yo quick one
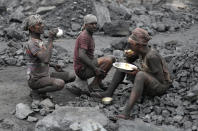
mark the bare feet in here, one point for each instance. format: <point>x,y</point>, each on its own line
<point>123,117</point>
<point>35,95</point>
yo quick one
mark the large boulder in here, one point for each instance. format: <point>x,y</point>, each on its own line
<point>102,13</point>
<point>12,124</point>
<point>73,118</point>
<point>51,2</point>
<point>192,95</point>
<point>139,10</point>
<point>119,45</point>
<point>118,12</point>
<point>22,111</point>
<point>17,15</point>
<point>12,33</point>
<point>117,28</point>
<point>138,125</point>
<point>43,10</point>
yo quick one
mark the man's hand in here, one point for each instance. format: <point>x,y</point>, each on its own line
<point>58,68</point>
<point>100,72</point>
<point>133,72</point>
<point>53,32</point>
<point>128,53</point>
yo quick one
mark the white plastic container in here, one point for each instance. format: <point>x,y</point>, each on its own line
<point>59,33</point>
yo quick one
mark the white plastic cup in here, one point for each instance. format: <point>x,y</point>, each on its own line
<point>59,33</point>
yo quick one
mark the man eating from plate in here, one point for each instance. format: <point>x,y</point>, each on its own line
<point>152,79</point>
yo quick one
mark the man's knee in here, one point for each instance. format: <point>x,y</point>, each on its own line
<point>110,60</point>
<point>59,84</point>
<point>113,59</point>
<point>141,75</point>
<point>72,77</point>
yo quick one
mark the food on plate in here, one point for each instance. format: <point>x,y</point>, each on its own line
<point>127,67</point>
<point>129,52</point>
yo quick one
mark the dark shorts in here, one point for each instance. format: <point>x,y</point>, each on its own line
<point>86,72</point>
<point>154,88</point>
<point>35,83</point>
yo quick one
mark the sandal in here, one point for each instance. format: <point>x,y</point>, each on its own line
<point>76,91</point>
<point>94,88</point>
<point>96,94</point>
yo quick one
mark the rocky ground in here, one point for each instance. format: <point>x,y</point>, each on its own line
<point>174,34</point>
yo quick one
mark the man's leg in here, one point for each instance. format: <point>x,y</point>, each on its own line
<point>118,77</point>
<point>42,86</point>
<point>66,76</point>
<point>140,79</point>
<point>104,63</point>
<point>48,84</point>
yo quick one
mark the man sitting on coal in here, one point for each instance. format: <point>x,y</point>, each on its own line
<point>38,55</point>
<point>85,64</point>
<point>152,79</point>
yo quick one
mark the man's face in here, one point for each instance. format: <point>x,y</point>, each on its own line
<point>38,28</point>
<point>136,47</point>
<point>91,27</point>
<point>132,44</point>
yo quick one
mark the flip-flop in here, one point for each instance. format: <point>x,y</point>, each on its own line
<point>96,94</point>
<point>96,89</point>
<point>75,90</point>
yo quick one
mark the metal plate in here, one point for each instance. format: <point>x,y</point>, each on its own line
<point>124,67</point>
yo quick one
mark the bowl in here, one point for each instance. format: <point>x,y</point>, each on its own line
<point>107,100</point>
<point>124,67</point>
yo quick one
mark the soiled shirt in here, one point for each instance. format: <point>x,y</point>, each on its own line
<point>84,41</point>
<point>156,66</point>
<point>35,66</point>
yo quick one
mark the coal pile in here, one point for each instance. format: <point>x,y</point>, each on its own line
<point>59,13</point>
<point>178,107</point>
<point>69,16</point>
<point>66,15</point>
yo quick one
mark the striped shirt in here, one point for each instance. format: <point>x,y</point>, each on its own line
<point>84,41</point>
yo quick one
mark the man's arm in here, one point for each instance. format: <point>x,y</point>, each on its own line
<point>154,64</point>
<point>85,59</point>
<point>90,63</point>
<point>45,54</point>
